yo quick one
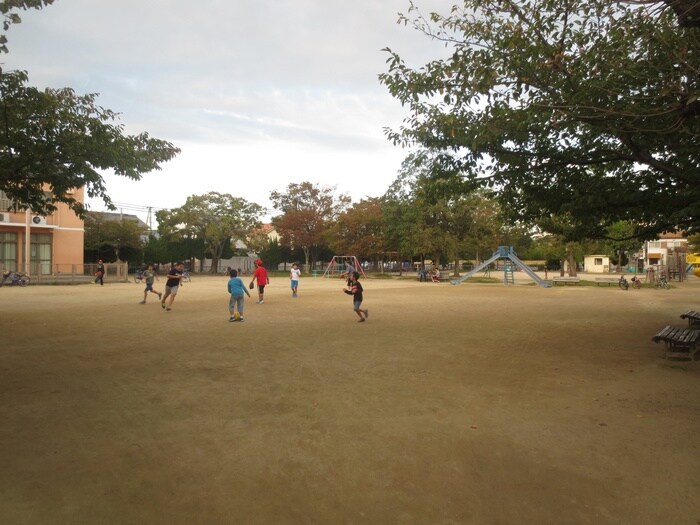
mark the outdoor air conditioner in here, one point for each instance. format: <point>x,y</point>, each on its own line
<point>4,217</point>
<point>39,220</point>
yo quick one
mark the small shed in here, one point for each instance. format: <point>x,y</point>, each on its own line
<point>596,264</point>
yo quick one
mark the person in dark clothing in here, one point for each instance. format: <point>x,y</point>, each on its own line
<point>356,292</point>
<point>172,285</point>
<point>100,273</point>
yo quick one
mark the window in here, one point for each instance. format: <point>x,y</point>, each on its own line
<point>40,253</point>
<point>598,261</point>
<point>8,251</point>
<point>5,203</point>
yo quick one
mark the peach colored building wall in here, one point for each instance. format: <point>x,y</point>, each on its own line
<point>63,230</point>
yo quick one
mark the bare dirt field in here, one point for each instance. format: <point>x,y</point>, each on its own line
<point>477,403</point>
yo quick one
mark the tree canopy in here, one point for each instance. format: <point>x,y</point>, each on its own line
<point>587,110</point>
<point>57,140</point>
<point>307,211</point>
<point>218,219</point>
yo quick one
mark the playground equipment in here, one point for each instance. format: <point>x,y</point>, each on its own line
<point>340,264</point>
<point>510,262</point>
<point>693,260</point>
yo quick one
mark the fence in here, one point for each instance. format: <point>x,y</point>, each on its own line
<point>81,273</point>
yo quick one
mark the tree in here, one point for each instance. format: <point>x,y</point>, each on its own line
<point>307,211</point>
<point>443,216</point>
<point>58,140</point>
<point>113,240</point>
<point>584,109</point>
<point>622,243</point>
<point>216,218</point>
<point>359,230</point>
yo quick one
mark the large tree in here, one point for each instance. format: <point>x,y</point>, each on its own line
<point>113,240</point>
<point>57,140</point>
<point>359,230</point>
<point>306,212</point>
<point>218,219</point>
<point>587,110</point>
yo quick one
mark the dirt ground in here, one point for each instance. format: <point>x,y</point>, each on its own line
<point>478,403</point>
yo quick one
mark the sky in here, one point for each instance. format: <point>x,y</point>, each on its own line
<point>257,94</point>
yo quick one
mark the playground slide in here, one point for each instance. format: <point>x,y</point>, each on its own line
<point>506,252</point>
<point>477,269</point>
<point>524,267</point>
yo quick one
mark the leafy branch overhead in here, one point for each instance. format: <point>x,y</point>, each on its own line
<point>57,140</point>
<point>582,109</point>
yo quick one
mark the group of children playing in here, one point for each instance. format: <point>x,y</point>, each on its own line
<point>238,291</point>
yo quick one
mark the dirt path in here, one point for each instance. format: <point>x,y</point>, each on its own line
<point>453,404</point>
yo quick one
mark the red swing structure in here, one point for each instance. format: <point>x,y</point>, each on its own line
<point>341,264</point>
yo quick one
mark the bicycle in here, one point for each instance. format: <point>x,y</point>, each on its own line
<point>622,283</point>
<point>140,276</point>
<point>661,282</point>
<point>14,279</point>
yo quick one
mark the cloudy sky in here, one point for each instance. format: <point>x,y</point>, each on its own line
<point>256,93</point>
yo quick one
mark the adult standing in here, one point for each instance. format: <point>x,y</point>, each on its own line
<point>172,285</point>
<point>260,274</point>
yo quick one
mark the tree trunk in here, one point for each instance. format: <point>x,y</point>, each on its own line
<point>571,260</point>
<point>307,258</point>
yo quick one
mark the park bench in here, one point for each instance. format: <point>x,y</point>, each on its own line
<point>692,316</point>
<point>607,280</point>
<point>680,343</point>
<point>565,280</point>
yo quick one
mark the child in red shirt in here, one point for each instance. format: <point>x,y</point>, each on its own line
<point>260,274</point>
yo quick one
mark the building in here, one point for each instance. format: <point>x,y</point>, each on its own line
<point>596,264</point>
<point>667,252</point>
<point>38,244</point>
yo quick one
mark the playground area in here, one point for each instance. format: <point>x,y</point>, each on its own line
<point>476,403</point>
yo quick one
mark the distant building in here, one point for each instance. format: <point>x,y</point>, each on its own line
<point>667,251</point>
<point>55,240</point>
<point>596,264</point>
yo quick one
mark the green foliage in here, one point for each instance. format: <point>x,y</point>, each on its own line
<point>112,240</point>
<point>57,139</point>
<point>429,210</point>
<point>214,219</point>
<point>581,109</point>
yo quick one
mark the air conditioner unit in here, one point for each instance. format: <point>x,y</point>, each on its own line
<point>39,220</point>
<point>4,217</point>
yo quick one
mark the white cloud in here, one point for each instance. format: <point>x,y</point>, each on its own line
<point>256,93</point>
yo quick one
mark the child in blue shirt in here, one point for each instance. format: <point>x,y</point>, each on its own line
<point>236,288</point>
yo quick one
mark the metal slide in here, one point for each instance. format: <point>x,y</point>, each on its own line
<point>505,252</point>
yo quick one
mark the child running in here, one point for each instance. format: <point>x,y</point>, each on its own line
<point>150,276</point>
<point>172,285</point>
<point>294,275</point>
<point>356,292</point>
<point>260,274</point>
<point>236,288</point>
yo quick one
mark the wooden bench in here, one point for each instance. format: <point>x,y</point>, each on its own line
<point>607,280</point>
<point>565,280</point>
<point>680,343</point>
<point>692,316</point>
